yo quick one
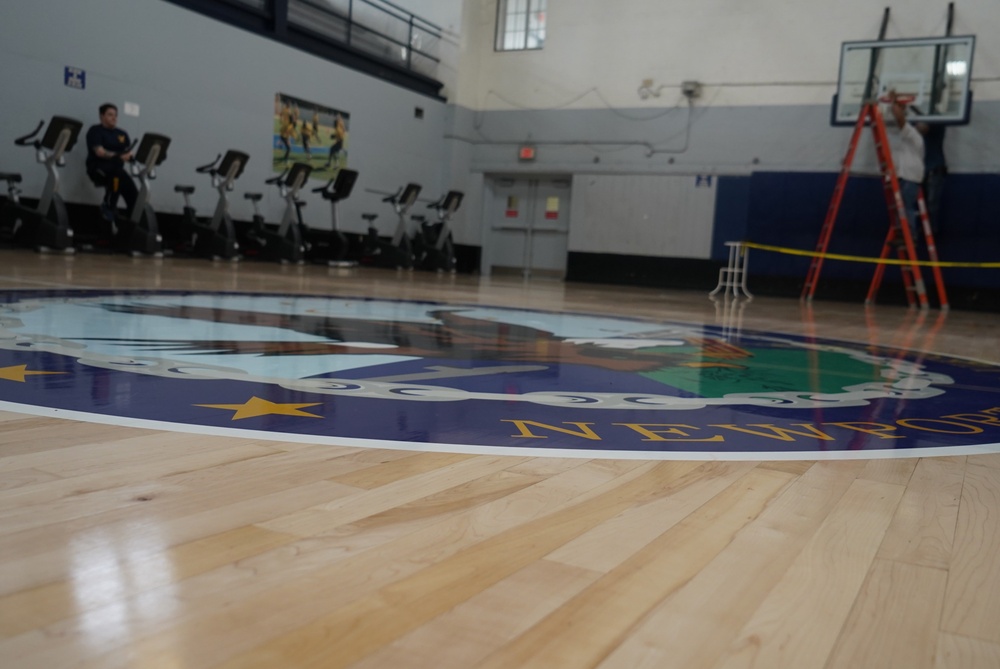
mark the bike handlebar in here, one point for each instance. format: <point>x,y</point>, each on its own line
<point>394,197</point>
<point>208,169</point>
<point>23,141</point>
<point>439,204</point>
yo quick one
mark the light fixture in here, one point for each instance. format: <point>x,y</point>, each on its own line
<point>956,68</point>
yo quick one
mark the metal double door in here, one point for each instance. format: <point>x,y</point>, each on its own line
<point>528,222</point>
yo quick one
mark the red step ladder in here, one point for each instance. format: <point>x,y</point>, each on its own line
<point>899,237</point>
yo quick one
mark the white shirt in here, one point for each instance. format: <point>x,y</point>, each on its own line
<point>908,153</point>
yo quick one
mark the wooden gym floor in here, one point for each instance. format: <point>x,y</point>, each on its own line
<point>128,547</point>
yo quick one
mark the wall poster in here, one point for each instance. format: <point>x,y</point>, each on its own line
<point>310,133</point>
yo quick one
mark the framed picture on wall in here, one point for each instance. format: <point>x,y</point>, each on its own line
<point>311,133</point>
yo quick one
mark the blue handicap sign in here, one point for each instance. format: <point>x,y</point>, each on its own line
<point>74,77</point>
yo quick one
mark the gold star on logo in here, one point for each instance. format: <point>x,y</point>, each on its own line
<point>18,372</point>
<point>255,406</point>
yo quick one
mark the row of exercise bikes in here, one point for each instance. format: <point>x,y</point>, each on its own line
<point>46,226</point>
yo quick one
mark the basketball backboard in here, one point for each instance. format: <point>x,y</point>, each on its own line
<point>934,71</point>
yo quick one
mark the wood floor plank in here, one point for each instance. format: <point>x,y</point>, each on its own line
<point>694,627</point>
<point>149,448</point>
<point>972,605</point>
<point>958,652</point>
<point>467,634</point>
<point>990,460</point>
<point>46,604</point>
<point>403,468</point>
<point>546,466</point>
<point>611,543</point>
<point>603,613</point>
<point>798,622</point>
<point>22,478</point>
<point>791,466</point>
<point>44,442</point>
<point>437,506</point>
<point>70,490</point>
<point>87,556</point>
<point>184,493</point>
<point>894,623</point>
<point>133,571</point>
<point>923,529</point>
<point>11,420</point>
<point>358,573</point>
<point>890,470</point>
<point>448,474</point>
<point>374,620</point>
<point>280,591</point>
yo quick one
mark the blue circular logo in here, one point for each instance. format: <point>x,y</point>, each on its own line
<point>423,376</point>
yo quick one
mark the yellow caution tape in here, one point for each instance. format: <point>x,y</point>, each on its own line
<point>877,261</point>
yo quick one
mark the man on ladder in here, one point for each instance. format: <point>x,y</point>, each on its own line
<point>908,156</point>
<point>901,164</point>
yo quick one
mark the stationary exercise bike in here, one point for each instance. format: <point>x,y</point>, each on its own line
<point>397,251</point>
<point>45,227</point>
<point>283,241</point>
<point>330,246</point>
<point>140,234</point>
<point>214,238</point>
<point>433,248</point>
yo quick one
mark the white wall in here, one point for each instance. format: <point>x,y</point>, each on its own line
<point>444,13</point>
<point>768,69</point>
<point>746,52</point>
<point>667,216</point>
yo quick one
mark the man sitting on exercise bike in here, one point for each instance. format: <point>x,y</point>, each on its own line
<point>107,152</point>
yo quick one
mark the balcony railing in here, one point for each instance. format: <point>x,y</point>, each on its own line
<point>363,34</point>
<point>377,27</point>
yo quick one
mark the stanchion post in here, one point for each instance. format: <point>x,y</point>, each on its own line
<point>733,277</point>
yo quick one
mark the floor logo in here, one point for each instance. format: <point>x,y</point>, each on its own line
<point>479,379</point>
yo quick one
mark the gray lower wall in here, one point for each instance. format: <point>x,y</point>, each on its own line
<point>600,147</point>
<point>720,140</point>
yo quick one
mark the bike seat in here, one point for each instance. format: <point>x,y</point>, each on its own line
<point>10,177</point>
<point>253,197</point>
<point>369,217</point>
<point>300,203</point>
<point>187,190</point>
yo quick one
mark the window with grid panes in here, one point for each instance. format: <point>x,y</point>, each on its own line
<point>520,25</point>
